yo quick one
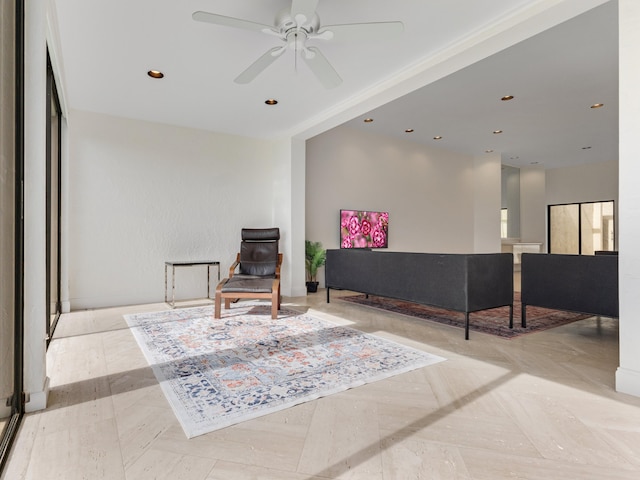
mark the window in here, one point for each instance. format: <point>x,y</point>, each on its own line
<point>504,224</point>
<point>582,228</point>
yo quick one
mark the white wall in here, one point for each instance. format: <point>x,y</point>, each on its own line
<point>584,183</point>
<point>487,181</point>
<point>429,193</point>
<point>628,373</point>
<point>288,209</point>
<point>510,199</point>
<point>533,206</point>
<point>35,123</point>
<point>142,193</point>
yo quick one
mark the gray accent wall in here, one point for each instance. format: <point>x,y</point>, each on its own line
<point>428,193</point>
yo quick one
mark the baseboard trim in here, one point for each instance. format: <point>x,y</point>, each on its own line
<point>66,307</point>
<point>628,381</point>
<point>38,400</point>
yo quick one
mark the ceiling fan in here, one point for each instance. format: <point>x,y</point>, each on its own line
<point>294,26</point>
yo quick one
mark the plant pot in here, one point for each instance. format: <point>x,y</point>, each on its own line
<point>312,287</point>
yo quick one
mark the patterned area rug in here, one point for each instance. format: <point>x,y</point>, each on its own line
<point>494,321</point>
<point>216,373</point>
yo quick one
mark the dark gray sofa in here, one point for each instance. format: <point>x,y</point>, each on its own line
<point>461,282</point>
<point>577,283</point>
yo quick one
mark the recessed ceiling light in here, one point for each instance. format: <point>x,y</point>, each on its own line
<point>597,105</point>
<point>534,163</point>
<point>488,151</point>
<point>368,120</point>
<point>514,158</point>
<point>506,98</point>
<point>409,130</point>
<point>155,74</point>
<point>495,132</point>
<point>586,148</point>
<point>271,101</point>
<point>438,137</point>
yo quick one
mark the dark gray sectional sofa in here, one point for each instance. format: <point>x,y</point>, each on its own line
<point>460,282</point>
<point>577,283</point>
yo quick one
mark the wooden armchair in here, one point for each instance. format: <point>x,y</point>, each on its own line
<point>258,264</point>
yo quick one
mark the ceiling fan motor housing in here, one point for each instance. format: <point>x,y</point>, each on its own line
<point>286,24</point>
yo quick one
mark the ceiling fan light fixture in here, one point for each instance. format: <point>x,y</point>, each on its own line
<point>155,74</point>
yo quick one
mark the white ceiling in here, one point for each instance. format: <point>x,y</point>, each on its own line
<point>105,48</point>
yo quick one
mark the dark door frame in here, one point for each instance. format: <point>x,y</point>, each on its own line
<point>52,97</point>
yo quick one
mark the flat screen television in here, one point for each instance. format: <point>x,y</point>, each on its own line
<point>363,229</point>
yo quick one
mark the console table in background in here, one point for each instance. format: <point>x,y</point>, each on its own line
<point>174,265</point>
<point>518,248</point>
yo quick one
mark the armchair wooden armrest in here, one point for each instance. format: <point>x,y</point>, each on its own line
<point>278,265</point>
<point>234,265</point>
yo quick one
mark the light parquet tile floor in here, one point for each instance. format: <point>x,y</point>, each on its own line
<point>542,406</point>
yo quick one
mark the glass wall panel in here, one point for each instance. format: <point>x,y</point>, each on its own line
<point>504,219</point>
<point>597,227</point>
<point>563,229</point>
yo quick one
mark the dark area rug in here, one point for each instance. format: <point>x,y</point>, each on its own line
<point>494,321</point>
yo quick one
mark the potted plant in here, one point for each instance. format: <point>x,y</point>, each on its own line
<point>315,257</point>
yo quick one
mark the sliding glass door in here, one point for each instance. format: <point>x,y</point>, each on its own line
<point>11,166</point>
<point>54,124</point>
<point>582,228</point>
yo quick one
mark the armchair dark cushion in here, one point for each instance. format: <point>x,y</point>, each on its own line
<point>259,251</point>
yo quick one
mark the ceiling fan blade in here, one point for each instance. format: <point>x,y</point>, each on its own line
<point>361,31</point>
<point>257,67</point>
<point>321,68</point>
<point>300,8</point>
<point>229,21</point>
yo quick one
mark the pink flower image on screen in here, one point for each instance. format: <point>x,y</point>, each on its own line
<point>363,229</point>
